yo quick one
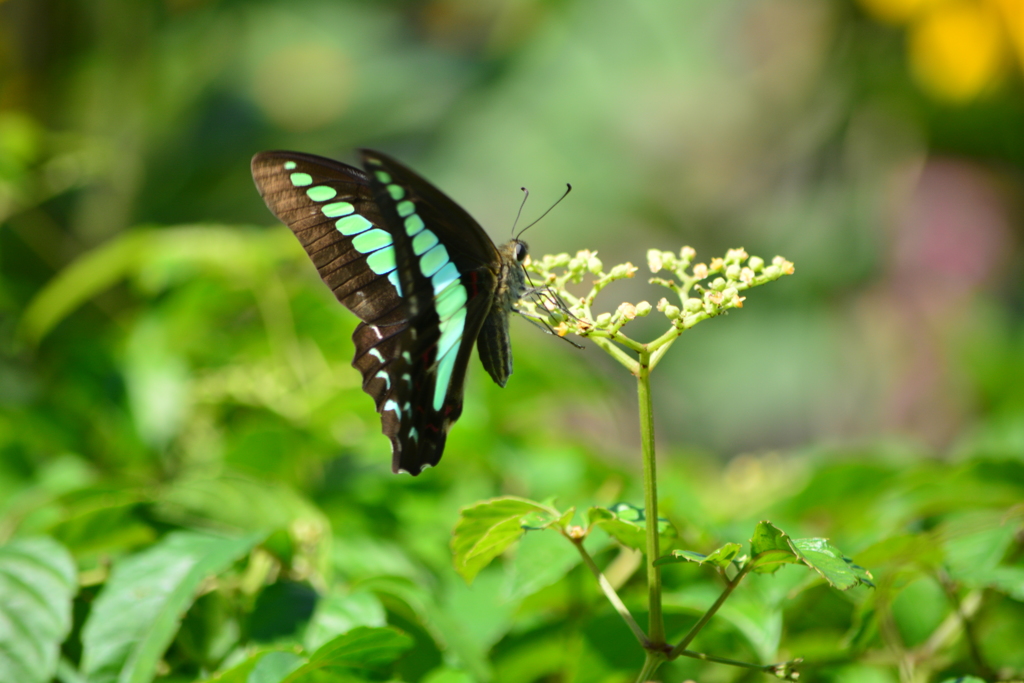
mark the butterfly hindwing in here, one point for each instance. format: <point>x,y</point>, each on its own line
<point>447,272</point>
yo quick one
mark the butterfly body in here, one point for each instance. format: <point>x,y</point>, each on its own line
<point>423,277</point>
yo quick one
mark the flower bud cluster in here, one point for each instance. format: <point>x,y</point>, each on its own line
<point>658,261</point>
<point>704,289</point>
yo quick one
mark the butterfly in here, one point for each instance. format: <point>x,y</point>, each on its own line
<point>422,276</point>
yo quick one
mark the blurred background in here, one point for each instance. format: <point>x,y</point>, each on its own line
<point>168,353</point>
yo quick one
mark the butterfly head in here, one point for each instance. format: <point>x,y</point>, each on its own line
<point>519,250</point>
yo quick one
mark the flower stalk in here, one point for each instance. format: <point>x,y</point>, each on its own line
<point>702,291</point>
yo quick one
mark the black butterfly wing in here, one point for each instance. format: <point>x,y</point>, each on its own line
<point>448,272</point>
<point>421,292</point>
<point>330,208</point>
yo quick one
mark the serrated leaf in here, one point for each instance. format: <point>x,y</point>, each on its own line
<point>487,529</point>
<point>767,537</point>
<point>627,524</point>
<point>721,557</point>
<point>38,580</point>
<point>770,548</point>
<point>139,610</point>
<point>827,560</point>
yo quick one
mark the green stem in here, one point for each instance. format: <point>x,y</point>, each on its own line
<point>656,627</point>
<point>702,622</point>
<point>722,660</point>
<point>610,593</point>
<point>652,661</point>
<point>616,353</point>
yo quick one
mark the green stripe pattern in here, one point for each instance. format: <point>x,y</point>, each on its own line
<point>450,296</point>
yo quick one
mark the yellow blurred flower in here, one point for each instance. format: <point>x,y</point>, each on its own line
<point>957,48</point>
<point>1013,17</point>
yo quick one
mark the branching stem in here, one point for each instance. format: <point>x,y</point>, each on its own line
<point>730,586</point>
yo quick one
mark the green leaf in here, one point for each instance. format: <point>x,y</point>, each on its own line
<point>975,545</point>
<point>38,580</point>
<point>273,667</point>
<point>722,557</point>
<point>149,254</point>
<point>770,548</point>
<point>336,614</point>
<point>362,647</point>
<point>827,560</point>
<point>964,679</point>
<point>487,529</point>
<point>263,666</point>
<point>447,675</point>
<point>627,524</point>
<point>91,274</point>
<point>421,608</point>
<point>767,537</point>
<point>482,612</point>
<point>1009,580</point>
<point>540,561</point>
<point>139,610</point>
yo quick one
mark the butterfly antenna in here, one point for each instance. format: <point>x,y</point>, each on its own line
<point>526,195</point>
<point>568,189</point>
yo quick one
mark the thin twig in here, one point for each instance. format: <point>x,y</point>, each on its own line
<point>773,669</point>
<point>730,586</point>
<point>963,614</point>
<point>610,593</point>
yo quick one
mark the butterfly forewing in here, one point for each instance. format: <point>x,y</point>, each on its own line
<point>330,208</point>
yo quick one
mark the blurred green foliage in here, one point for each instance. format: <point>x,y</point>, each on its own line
<point>192,482</point>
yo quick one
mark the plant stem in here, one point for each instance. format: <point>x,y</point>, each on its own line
<point>610,593</point>
<point>766,668</point>
<point>656,627</point>
<point>706,617</point>
<point>652,661</point>
<point>615,352</point>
